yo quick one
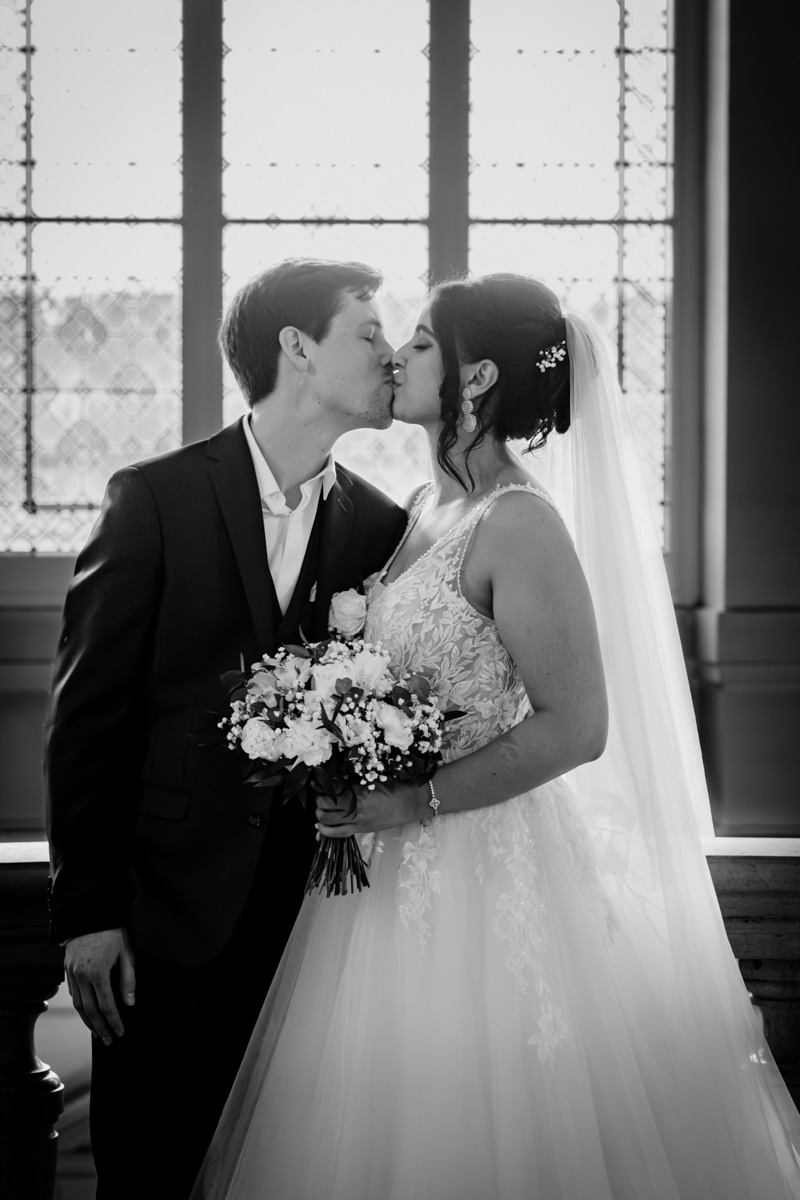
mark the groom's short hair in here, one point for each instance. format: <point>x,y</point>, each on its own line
<point>306,293</point>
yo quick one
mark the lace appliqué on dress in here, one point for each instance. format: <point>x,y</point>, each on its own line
<point>521,918</point>
<point>573,853</point>
<point>419,878</point>
<point>426,622</point>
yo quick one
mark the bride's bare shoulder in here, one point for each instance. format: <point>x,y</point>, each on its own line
<point>522,522</point>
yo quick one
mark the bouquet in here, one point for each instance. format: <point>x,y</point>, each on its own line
<point>326,716</point>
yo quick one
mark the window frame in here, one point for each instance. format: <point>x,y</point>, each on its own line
<point>37,579</point>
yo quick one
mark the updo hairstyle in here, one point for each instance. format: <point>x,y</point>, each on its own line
<point>508,319</point>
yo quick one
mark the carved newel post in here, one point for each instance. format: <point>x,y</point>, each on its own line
<point>31,1095</point>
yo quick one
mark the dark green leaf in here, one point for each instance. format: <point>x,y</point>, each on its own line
<point>267,776</point>
<point>207,739</point>
<point>419,685</point>
<point>297,779</point>
<point>325,782</point>
<point>328,723</point>
<point>232,679</point>
<point>300,651</point>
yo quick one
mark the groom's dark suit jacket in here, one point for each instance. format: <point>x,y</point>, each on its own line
<point>149,828</point>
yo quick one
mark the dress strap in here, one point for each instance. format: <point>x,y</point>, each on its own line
<point>423,492</point>
<point>502,488</point>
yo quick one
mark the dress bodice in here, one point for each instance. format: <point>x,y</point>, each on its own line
<point>424,620</point>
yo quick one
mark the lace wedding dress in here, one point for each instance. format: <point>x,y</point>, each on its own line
<point>485,1022</point>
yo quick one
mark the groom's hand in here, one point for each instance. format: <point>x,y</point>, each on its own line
<point>382,808</point>
<point>89,961</point>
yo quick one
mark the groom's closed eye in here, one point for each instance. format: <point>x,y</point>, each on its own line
<point>369,330</point>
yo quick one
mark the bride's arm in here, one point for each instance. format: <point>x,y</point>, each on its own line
<point>525,560</point>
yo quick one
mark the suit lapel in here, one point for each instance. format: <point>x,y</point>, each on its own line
<point>335,550</point>
<point>234,479</point>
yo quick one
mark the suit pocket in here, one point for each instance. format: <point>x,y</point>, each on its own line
<point>163,802</point>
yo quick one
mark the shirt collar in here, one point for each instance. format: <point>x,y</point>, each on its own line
<point>268,489</point>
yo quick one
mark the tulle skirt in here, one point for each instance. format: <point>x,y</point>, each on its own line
<point>485,1022</point>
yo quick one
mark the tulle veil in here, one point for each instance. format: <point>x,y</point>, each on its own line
<point>645,800</point>
<point>645,805</point>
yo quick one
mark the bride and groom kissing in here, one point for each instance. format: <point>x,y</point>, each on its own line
<point>444,1033</point>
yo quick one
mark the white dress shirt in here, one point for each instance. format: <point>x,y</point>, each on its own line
<point>287,530</point>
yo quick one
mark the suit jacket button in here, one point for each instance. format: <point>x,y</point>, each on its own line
<point>256,820</point>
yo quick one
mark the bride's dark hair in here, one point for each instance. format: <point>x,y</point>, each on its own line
<point>508,319</point>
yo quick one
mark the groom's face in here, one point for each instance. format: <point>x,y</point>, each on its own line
<point>351,367</point>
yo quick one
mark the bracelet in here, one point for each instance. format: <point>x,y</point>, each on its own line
<point>434,801</point>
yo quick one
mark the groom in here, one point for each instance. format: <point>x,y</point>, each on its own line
<point>174,885</point>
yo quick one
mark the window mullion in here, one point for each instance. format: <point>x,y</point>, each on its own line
<point>691,49</point>
<point>449,137</point>
<point>202,217</point>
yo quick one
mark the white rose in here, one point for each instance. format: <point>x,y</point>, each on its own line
<point>325,676</point>
<point>260,740</point>
<point>397,728</point>
<point>368,668</point>
<point>348,612</point>
<point>355,732</point>
<point>307,743</point>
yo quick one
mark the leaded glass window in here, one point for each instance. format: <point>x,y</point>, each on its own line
<point>325,151</point>
<point>91,257</point>
<point>570,180</point>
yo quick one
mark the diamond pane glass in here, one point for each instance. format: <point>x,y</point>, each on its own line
<point>13,66</point>
<point>647,266</point>
<point>572,121</point>
<point>106,108</point>
<point>581,264</point>
<point>106,374</point>
<point>353,140</point>
<point>12,372</point>
<point>647,24</point>
<point>544,89</point>
<point>395,459</point>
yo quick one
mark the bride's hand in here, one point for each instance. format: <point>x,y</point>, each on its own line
<point>381,808</point>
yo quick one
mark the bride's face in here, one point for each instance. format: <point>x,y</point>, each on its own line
<point>418,374</point>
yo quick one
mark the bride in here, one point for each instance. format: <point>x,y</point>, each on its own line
<point>535,997</point>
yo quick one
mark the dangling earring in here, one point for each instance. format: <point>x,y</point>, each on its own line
<point>469,421</point>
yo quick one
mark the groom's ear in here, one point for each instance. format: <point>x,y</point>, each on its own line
<point>293,344</point>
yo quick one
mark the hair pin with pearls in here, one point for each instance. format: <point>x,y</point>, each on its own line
<point>551,356</point>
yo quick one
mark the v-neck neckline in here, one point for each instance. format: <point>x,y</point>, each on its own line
<point>422,504</point>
